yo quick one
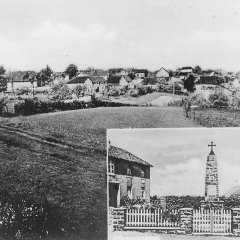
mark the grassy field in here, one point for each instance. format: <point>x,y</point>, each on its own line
<point>134,235</point>
<point>140,100</point>
<point>217,117</point>
<point>68,178</point>
<point>87,127</point>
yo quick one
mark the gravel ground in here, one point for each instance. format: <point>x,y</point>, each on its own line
<point>134,235</point>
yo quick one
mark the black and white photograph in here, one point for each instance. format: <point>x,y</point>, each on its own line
<point>173,183</point>
<point>72,69</point>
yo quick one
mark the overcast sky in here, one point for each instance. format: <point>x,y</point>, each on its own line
<point>179,157</point>
<point>126,33</point>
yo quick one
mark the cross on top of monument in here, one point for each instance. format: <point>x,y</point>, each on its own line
<point>212,145</point>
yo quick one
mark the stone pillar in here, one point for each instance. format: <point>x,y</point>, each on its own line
<point>116,220</point>
<point>186,217</point>
<point>236,221</point>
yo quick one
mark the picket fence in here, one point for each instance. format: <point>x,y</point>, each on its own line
<point>212,221</point>
<point>149,219</point>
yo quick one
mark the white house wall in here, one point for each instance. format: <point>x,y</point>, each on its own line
<point>162,73</point>
<point>123,82</point>
<point>20,85</point>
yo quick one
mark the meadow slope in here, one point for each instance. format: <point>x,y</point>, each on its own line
<point>73,180</point>
<point>87,127</point>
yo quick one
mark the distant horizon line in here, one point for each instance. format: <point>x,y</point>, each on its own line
<point>13,69</point>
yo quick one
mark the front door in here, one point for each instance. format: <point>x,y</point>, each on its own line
<point>113,194</point>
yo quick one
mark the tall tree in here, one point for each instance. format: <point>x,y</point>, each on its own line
<point>44,76</point>
<point>197,69</point>
<point>189,83</point>
<point>71,70</point>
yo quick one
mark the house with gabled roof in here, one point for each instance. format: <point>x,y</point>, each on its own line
<point>92,83</point>
<point>81,81</point>
<point>184,72</point>
<point>128,177</point>
<point>99,84</point>
<point>118,81</point>
<point>162,73</point>
<point>140,73</point>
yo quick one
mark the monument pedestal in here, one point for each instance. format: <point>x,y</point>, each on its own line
<point>212,204</point>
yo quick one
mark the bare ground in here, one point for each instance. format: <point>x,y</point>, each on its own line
<point>134,235</point>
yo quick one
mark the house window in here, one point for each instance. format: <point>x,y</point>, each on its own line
<point>111,168</point>
<point>143,195</point>
<point>142,173</point>
<point>129,171</point>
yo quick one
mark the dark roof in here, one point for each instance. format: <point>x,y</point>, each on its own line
<point>116,79</point>
<point>125,155</point>
<point>79,79</point>
<point>210,80</point>
<point>140,70</point>
<point>96,79</point>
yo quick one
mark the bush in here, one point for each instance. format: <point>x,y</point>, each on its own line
<point>134,93</point>
<point>23,91</point>
<point>36,106</point>
<point>176,103</point>
<point>113,92</point>
<point>234,100</point>
<point>123,90</point>
<point>199,100</point>
<point>60,91</point>
<point>219,100</point>
<point>163,86</point>
<point>194,99</point>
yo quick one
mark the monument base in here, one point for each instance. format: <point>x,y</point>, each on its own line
<point>215,203</point>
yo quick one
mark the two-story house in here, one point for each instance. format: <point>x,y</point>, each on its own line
<point>128,176</point>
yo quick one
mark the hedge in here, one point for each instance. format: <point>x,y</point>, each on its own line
<point>36,106</point>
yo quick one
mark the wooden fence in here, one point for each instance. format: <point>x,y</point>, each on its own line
<point>149,219</point>
<point>212,221</point>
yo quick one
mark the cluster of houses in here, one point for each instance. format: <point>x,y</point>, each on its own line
<point>98,80</point>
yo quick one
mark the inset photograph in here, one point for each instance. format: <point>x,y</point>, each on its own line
<point>181,183</point>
